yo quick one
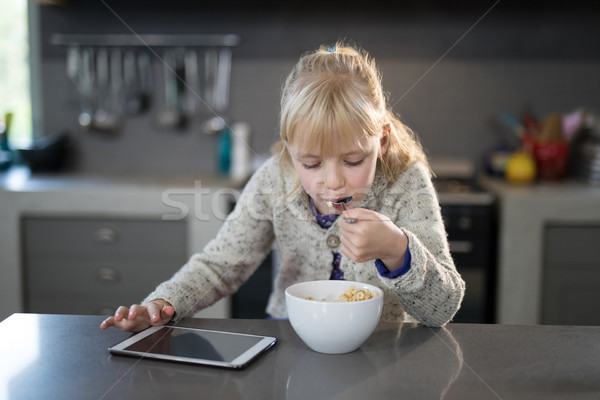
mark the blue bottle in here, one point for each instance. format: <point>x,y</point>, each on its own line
<point>224,151</point>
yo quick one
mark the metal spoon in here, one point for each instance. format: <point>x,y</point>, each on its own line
<point>343,205</point>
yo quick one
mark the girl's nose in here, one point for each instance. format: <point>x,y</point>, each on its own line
<point>334,179</point>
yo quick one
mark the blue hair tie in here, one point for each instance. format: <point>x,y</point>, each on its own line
<point>331,49</point>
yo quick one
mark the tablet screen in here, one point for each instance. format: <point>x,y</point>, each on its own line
<point>197,344</point>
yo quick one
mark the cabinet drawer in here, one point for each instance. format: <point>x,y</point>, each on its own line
<point>568,245</point>
<point>73,235</point>
<point>103,279</point>
<point>90,266</point>
<point>571,297</point>
<point>50,303</point>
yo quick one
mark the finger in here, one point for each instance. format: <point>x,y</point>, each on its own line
<point>347,251</point>
<point>123,321</point>
<point>349,219</point>
<point>351,236</point>
<point>125,325</point>
<point>154,311</point>
<point>132,325</point>
<point>354,252</point>
<point>122,312</point>
<point>167,312</point>
<point>349,228</point>
<point>135,311</point>
<point>107,323</point>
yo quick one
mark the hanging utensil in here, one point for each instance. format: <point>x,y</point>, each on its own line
<point>171,117</point>
<point>116,90</point>
<point>75,72</point>
<point>222,80</point>
<point>146,79</point>
<point>102,117</point>
<point>211,59</point>
<point>181,84</point>
<point>217,66</point>
<point>85,79</point>
<point>131,80</point>
<point>73,57</point>
<point>192,87</point>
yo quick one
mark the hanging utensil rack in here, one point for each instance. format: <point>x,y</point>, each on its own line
<point>194,85</point>
<point>145,40</point>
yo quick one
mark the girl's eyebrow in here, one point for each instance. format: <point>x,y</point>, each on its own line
<point>354,152</point>
<point>307,155</point>
<point>349,153</point>
<point>301,154</point>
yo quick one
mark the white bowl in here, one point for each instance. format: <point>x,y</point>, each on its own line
<point>328,326</point>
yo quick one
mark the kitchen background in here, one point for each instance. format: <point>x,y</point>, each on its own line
<point>453,72</point>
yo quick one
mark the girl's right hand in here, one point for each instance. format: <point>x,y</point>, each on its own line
<point>139,317</point>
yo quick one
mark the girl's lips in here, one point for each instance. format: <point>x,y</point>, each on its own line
<point>346,200</point>
<point>337,203</point>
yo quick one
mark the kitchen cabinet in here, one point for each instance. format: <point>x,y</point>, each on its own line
<point>79,232</point>
<point>93,265</point>
<point>540,272</point>
<point>571,283</point>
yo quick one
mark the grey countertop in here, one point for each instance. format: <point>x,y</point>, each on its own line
<point>21,179</point>
<point>66,357</point>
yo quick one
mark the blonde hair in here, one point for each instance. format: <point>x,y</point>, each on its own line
<point>333,93</point>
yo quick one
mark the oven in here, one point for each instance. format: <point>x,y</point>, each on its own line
<point>469,214</point>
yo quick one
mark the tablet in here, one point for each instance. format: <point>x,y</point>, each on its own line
<point>195,346</point>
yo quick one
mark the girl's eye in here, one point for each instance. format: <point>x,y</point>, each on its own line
<point>311,166</point>
<point>355,163</point>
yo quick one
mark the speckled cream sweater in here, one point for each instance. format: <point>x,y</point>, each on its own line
<point>430,292</point>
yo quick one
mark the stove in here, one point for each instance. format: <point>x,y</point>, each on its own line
<point>455,181</point>
<point>469,215</point>
<point>461,191</point>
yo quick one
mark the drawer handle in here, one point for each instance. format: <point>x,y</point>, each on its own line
<point>108,274</point>
<point>106,234</point>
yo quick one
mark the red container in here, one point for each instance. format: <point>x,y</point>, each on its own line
<point>551,158</point>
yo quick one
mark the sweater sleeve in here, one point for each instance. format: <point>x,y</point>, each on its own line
<point>386,273</point>
<point>231,257</point>
<point>431,291</point>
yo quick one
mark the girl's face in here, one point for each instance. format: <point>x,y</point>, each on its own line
<point>348,171</point>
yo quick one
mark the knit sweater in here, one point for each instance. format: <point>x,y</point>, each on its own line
<point>430,292</point>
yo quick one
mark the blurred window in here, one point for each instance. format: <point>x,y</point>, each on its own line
<point>15,94</point>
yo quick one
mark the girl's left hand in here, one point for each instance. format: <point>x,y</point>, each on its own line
<point>372,236</point>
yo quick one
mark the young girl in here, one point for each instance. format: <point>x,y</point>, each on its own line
<point>339,143</point>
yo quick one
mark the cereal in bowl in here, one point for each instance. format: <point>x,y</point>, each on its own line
<point>354,294</point>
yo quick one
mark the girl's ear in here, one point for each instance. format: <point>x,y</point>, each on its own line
<point>384,141</point>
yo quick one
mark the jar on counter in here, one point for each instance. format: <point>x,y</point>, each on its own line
<point>585,160</point>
